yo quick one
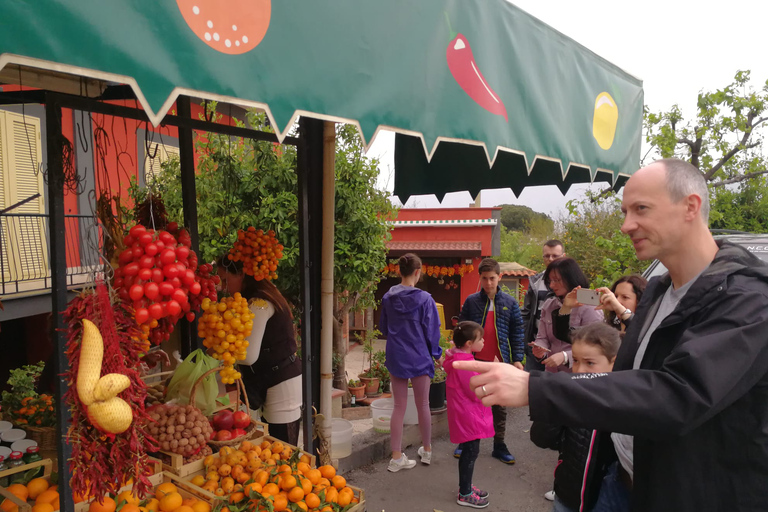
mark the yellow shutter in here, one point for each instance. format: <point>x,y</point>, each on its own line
<point>24,178</point>
<point>4,256</point>
<point>161,154</point>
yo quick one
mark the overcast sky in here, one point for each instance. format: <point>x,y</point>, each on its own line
<point>677,47</point>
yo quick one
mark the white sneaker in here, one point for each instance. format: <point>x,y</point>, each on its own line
<point>403,463</point>
<point>549,495</point>
<point>426,457</point>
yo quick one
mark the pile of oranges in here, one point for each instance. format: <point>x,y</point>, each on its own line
<point>167,498</point>
<point>225,327</point>
<point>38,492</point>
<point>260,252</point>
<point>273,476</point>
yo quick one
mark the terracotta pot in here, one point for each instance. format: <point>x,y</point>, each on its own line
<point>371,384</point>
<point>358,392</point>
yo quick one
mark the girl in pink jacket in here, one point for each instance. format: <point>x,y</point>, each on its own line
<point>468,419</point>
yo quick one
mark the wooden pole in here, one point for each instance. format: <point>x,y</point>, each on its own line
<point>326,280</point>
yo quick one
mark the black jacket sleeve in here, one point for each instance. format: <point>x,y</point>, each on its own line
<point>547,435</point>
<point>561,326</point>
<point>715,363</point>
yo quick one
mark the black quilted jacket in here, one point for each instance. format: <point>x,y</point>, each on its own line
<point>584,457</point>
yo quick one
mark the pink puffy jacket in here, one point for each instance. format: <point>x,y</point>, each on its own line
<point>468,418</point>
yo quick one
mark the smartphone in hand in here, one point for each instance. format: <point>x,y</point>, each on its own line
<point>588,297</point>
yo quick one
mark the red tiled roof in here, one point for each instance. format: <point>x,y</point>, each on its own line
<point>515,270</point>
<point>423,247</point>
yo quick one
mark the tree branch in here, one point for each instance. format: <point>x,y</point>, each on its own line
<point>738,179</point>
<point>687,142</point>
<point>747,134</point>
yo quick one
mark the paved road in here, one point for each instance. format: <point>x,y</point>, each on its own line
<point>426,488</point>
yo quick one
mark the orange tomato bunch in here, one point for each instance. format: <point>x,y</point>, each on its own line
<point>260,253</point>
<point>272,475</point>
<point>225,327</point>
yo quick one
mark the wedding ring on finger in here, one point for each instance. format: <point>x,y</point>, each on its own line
<point>485,392</point>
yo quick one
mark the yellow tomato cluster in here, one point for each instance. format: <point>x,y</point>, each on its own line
<point>271,476</point>
<point>260,253</point>
<point>224,327</point>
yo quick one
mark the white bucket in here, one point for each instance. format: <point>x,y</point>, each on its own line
<point>341,438</point>
<point>384,406</point>
<point>381,412</point>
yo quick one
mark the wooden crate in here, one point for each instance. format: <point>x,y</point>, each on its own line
<point>155,479</point>
<point>23,506</point>
<point>313,459</point>
<point>177,465</point>
<point>189,490</point>
<point>360,494</point>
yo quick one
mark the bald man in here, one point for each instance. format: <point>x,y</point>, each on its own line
<point>688,400</point>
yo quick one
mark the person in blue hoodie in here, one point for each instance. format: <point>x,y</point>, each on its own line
<point>410,322</point>
<point>499,314</point>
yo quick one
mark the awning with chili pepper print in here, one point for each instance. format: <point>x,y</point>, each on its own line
<point>476,71</point>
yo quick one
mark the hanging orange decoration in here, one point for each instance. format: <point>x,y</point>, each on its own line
<point>260,253</point>
<point>392,270</point>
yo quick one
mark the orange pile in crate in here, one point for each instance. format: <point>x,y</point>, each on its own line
<point>38,493</point>
<point>272,476</point>
<point>260,252</point>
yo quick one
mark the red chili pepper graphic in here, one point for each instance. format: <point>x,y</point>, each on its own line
<point>465,71</point>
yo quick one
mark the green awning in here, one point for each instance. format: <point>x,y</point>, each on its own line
<point>479,71</point>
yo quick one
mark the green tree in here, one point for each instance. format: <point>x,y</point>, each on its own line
<point>245,182</point>
<point>522,248</point>
<point>519,218</point>
<point>723,141</point>
<point>592,236</point>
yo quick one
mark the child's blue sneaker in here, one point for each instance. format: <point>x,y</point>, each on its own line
<point>501,452</point>
<point>457,452</point>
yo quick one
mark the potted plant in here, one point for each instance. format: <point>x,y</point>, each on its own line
<point>29,410</point>
<point>369,377</point>
<point>380,367</point>
<point>357,389</point>
<point>437,384</point>
<point>437,388</point>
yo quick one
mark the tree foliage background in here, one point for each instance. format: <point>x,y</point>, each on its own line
<point>246,182</point>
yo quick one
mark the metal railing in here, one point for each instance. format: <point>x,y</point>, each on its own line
<point>24,252</point>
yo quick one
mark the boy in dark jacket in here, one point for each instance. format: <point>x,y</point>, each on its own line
<point>499,314</point>
<point>584,455</point>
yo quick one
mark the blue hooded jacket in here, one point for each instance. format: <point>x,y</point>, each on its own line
<point>509,322</point>
<point>410,323</point>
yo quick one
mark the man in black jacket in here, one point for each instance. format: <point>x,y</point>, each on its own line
<point>694,395</point>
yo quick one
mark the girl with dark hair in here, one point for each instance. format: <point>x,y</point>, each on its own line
<point>271,369</point>
<point>410,322</point>
<point>563,277</point>
<point>621,300</point>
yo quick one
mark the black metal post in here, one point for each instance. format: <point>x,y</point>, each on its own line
<point>58,261</point>
<point>310,179</point>
<point>188,330</point>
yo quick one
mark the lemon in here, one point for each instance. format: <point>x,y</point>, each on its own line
<point>605,119</point>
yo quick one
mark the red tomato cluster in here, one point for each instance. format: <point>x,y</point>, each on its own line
<point>208,284</point>
<point>157,274</point>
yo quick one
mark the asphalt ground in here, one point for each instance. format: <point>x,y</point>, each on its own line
<point>517,487</point>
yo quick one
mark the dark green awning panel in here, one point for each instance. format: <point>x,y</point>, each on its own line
<point>453,70</point>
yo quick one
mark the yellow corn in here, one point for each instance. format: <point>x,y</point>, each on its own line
<point>113,415</point>
<point>91,355</point>
<point>99,394</point>
<point>110,385</point>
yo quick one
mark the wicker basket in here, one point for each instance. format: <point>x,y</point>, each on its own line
<point>252,429</point>
<point>44,436</point>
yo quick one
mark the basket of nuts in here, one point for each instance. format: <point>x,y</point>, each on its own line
<point>181,429</point>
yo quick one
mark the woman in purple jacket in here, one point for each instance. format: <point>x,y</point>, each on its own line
<point>410,322</point>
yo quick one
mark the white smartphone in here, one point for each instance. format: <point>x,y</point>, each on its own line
<point>588,297</point>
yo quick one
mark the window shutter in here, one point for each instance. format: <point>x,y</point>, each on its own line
<point>161,153</point>
<point>4,257</point>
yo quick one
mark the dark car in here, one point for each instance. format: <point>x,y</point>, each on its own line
<point>754,243</point>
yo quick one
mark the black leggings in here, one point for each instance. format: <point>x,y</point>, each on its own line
<point>286,432</point>
<point>469,452</point>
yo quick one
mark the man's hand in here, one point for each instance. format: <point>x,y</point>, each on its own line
<point>518,365</point>
<point>498,383</point>
<point>554,360</point>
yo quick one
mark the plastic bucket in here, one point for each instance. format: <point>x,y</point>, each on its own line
<point>381,412</point>
<point>384,406</point>
<point>341,438</point>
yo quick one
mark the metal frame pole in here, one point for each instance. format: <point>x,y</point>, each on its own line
<point>58,259</point>
<point>188,330</point>
<point>310,172</point>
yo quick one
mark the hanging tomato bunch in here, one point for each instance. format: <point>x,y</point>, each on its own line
<point>208,284</point>
<point>157,275</point>
<point>260,253</point>
<point>225,327</point>
<point>432,270</point>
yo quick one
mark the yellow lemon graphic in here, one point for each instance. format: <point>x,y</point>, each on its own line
<point>605,120</point>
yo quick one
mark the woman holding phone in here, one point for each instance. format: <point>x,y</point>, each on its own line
<point>564,278</point>
<point>620,300</point>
